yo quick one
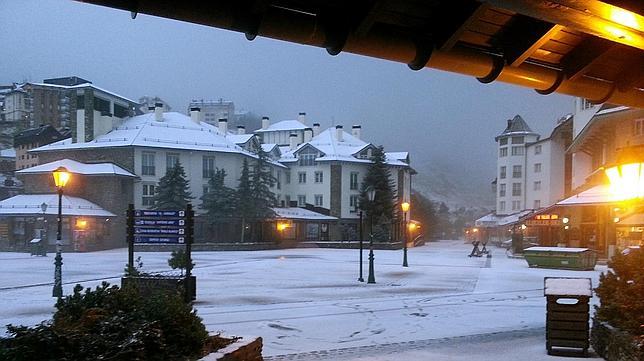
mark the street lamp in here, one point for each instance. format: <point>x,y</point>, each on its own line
<point>405,208</point>
<point>61,177</point>
<point>360,279</point>
<point>371,194</point>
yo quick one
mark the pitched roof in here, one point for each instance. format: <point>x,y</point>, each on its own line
<point>516,126</point>
<point>332,149</point>
<point>284,125</point>
<point>79,168</point>
<point>31,204</point>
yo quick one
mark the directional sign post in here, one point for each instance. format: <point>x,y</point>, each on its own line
<point>162,227</point>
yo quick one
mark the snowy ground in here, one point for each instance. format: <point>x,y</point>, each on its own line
<point>308,305</point>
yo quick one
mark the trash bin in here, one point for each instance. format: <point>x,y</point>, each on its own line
<point>581,259</point>
<point>567,313</point>
<point>37,247</point>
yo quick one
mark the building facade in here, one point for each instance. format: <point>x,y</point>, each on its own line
<point>30,139</point>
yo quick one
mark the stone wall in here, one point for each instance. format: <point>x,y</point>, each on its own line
<point>336,199</point>
<point>244,349</point>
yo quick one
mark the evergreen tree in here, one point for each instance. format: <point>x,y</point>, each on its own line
<point>261,182</point>
<point>220,201</point>
<point>378,177</point>
<point>173,191</point>
<point>424,211</point>
<point>245,203</point>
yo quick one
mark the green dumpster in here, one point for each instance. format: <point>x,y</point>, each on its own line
<point>581,259</point>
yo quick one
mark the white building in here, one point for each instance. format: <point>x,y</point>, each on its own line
<point>213,110</point>
<point>531,172</point>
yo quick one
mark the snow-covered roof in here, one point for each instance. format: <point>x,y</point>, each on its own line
<point>556,286</point>
<point>332,149</point>
<point>516,126</point>
<point>239,138</point>
<point>636,219</point>
<point>494,220</point>
<point>24,204</point>
<point>8,153</point>
<point>284,125</point>
<point>397,155</point>
<point>600,194</point>
<point>85,85</point>
<point>79,168</point>
<point>301,213</point>
<point>268,147</point>
<point>176,131</point>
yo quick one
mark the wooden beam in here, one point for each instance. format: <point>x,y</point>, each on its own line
<point>369,18</point>
<point>577,62</point>
<point>451,26</point>
<point>525,35</point>
<point>595,18</point>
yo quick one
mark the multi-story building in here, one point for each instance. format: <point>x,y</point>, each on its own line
<point>30,139</point>
<point>69,102</point>
<point>213,110</point>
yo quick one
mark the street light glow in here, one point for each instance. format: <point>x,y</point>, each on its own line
<point>405,206</point>
<point>61,177</point>
<point>281,226</point>
<point>626,180</point>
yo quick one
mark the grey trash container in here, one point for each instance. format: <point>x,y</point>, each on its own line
<point>37,247</point>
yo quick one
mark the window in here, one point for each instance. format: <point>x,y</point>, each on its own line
<point>517,140</point>
<point>147,163</point>
<point>516,171</point>
<point>353,202</point>
<point>502,206</point>
<point>516,190</point>
<point>503,152</point>
<point>101,105</point>
<point>278,180</point>
<point>516,205</point>
<point>318,200</point>
<point>287,199</point>
<point>319,177</point>
<point>537,204</point>
<point>518,150</point>
<point>80,102</point>
<point>171,159</point>
<point>120,111</point>
<point>537,185</point>
<point>503,141</point>
<point>306,159</point>
<point>353,180</point>
<point>537,149</point>
<point>638,127</point>
<point>301,177</point>
<point>287,176</point>
<point>301,200</point>
<point>537,167</point>
<point>502,172</point>
<point>502,190</point>
<point>208,167</point>
<point>148,194</point>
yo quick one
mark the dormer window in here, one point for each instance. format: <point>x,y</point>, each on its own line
<point>307,157</point>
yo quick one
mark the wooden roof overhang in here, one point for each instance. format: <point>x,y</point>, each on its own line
<point>587,48</point>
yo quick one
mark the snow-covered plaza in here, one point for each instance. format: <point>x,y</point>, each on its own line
<point>308,305</point>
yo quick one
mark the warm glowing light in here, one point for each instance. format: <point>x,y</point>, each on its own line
<point>412,226</point>
<point>475,230</point>
<point>566,227</point>
<point>405,206</point>
<point>81,223</point>
<point>565,220</point>
<point>523,226</point>
<point>616,220</point>
<point>624,17</point>
<point>61,177</point>
<point>282,226</point>
<point>626,181</point>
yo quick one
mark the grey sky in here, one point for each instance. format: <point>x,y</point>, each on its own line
<point>440,117</point>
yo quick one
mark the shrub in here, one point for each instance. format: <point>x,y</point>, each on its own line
<point>110,324</point>
<point>620,291</point>
<point>179,259</point>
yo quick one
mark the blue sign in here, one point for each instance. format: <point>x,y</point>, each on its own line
<point>159,239</point>
<point>141,230</point>
<point>159,222</point>
<point>146,213</point>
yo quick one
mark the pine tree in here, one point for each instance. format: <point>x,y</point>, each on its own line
<point>220,201</point>
<point>378,177</point>
<point>261,182</point>
<point>245,202</point>
<point>173,191</point>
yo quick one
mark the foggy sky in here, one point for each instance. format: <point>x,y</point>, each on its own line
<point>439,117</point>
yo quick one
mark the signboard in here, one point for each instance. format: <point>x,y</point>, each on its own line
<point>159,226</point>
<point>543,222</point>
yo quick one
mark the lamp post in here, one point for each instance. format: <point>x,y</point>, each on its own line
<point>371,193</point>
<point>360,279</point>
<point>61,177</point>
<point>405,209</point>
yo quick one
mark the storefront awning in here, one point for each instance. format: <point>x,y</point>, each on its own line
<point>301,214</point>
<point>493,220</point>
<point>31,204</point>
<point>597,195</point>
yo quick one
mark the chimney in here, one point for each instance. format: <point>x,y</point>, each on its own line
<point>194,114</point>
<point>316,129</point>
<point>265,123</point>
<point>338,133</point>
<point>241,129</point>
<point>223,126</point>
<point>158,112</point>
<point>356,130</point>
<point>308,134</point>
<point>301,117</point>
<point>292,141</point>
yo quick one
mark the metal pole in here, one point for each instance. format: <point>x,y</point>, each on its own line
<point>189,239</point>
<point>372,277</point>
<point>405,240</point>
<point>360,279</point>
<point>58,260</point>
<point>130,236</point>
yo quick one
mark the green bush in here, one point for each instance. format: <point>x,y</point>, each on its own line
<point>110,324</point>
<point>620,291</point>
<point>179,259</point>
